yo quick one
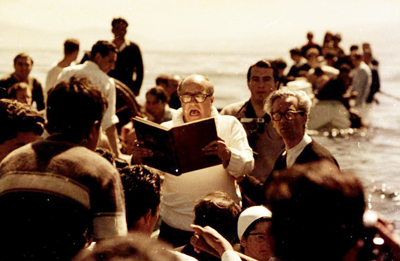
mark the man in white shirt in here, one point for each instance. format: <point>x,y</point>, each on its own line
<point>102,60</point>
<point>181,192</point>
<point>71,50</point>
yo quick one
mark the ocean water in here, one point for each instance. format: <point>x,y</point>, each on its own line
<point>373,155</point>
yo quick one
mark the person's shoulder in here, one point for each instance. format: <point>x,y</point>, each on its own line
<point>6,79</point>
<point>319,150</point>
<point>228,120</point>
<point>233,109</point>
<point>168,124</point>
<point>133,45</point>
<point>17,157</point>
<point>68,71</point>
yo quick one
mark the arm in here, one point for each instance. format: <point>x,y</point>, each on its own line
<point>252,188</point>
<point>241,160</point>
<point>139,72</point>
<point>108,205</point>
<point>112,136</point>
<point>37,95</point>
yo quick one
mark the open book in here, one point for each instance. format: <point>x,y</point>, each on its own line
<point>179,149</point>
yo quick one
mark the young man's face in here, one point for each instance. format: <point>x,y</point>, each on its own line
<point>23,67</point>
<point>261,83</point>
<point>106,63</point>
<point>119,30</point>
<point>153,105</point>
<point>259,243</point>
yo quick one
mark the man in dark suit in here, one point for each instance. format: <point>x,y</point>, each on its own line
<point>289,111</point>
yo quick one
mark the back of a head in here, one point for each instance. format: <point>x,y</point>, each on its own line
<point>318,212</point>
<point>142,192</point>
<point>73,106</point>
<point>104,48</point>
<point>159,93</point>
<point>162,80</point>
<point>134,247</point>
<point>71,45</point>
<point>218,211</point>
<point>18,117</point>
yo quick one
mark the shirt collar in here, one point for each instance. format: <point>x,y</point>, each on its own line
<point>294,152</point>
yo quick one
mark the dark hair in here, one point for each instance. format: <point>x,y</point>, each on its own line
<point>102,47</point>
<point>262,64</point>
<point>162,79</point>
<point>142,192</point>
<point>159,93</point>
<point>295,51</point>
<point>70,46</point>
<point>354,48</point>
<point>344,68</point>
<point>12,91</point>
<point>218,211</point>
<point>73,106</point>
<point>317,210</point>
<point>119,20</point>
<point>279,63</point>
<point>18,117</point>
<point>22,55</point>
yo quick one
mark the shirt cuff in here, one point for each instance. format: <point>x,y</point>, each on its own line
<point>238,165</point>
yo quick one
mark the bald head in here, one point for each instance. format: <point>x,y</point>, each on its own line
<point>198,80</point>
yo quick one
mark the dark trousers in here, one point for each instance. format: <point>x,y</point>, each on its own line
<point>174,236</point>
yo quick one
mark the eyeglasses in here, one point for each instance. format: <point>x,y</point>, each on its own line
<point>259,237</point>
<point>200,97</point>
<point>289,115</point>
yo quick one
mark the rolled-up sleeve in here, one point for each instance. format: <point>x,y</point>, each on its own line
<point>241,161</point>
<point>110,118</point>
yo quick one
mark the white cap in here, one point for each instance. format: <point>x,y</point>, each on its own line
<point>249,215</point>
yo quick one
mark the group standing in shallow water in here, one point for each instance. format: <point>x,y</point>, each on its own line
<point>260,135</point>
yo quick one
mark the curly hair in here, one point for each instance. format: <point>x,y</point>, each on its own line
<point>18,117</point>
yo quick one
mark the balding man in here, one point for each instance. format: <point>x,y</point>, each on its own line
<point>181,192</point>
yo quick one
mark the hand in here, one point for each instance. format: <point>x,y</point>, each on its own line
<point>138,152</point>
<point>214,239</point>
<point>392,239</point>
<point>219,148</point>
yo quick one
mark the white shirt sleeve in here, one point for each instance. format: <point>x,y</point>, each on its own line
<point>242,161</point>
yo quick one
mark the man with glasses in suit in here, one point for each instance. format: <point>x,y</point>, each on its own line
<point>289,111</point>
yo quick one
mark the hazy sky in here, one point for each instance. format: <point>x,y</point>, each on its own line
<point>199,25</point>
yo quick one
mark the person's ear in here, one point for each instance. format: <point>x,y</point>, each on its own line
<point>97,58</point>
<point>94,130</point>
<point>212,99</point>
<point>243,242</point>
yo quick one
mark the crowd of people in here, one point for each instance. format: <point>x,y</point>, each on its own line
<point>73,186</point>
